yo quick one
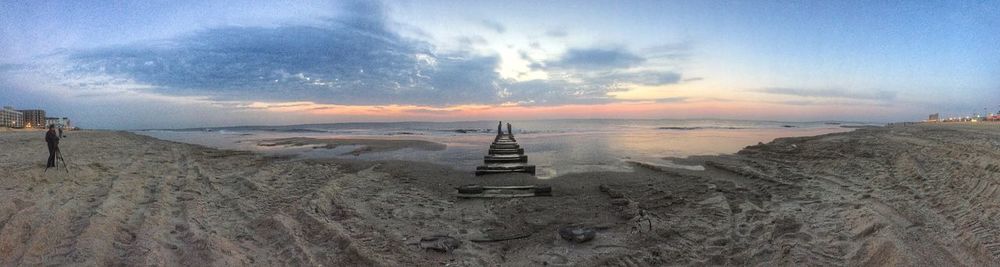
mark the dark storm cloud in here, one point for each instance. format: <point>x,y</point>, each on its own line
<point>596,58</point>
<point>671,51</point>
<point>353,60</point>
<point>356,59</point>
<point>559,92</point>
<point>643,77</point>
<point>610,69</point>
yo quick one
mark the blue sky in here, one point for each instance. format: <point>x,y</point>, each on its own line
<point>126,64</point>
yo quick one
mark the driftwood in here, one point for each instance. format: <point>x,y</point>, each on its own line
<point>439,243</point>
<point>487,195</point>
<point>480,191</point>
<point>498,239</point>
<point>577,234</point>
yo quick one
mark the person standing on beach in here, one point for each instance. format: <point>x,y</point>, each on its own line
<point>52,139</point>
<point>500,128</point>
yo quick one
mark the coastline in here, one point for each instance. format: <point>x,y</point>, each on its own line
<point>359,145</point>
<point>900,195</point>
<point>556,149</point>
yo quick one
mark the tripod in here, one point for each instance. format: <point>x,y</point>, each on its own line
<point>59,157</point>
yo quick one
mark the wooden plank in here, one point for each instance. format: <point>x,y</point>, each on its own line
<point>505,189</point>
<point>487,172</point>
<point>495,195</point>
<point>505,168</point>
<point>504,151</point>
<point>525,187</point>
<point>505,146</point>
<point>506,156</point>
<point>498,239</point>
<point>490,160</point>
<point>501,139</point>
<point>498,166</point>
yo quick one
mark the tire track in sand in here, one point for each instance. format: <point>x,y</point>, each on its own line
<point>73,225</point>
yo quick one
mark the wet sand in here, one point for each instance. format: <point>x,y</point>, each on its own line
<point>906,195</point>
<point>363,145</point>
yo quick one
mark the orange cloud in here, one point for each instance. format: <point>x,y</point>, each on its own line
<point>695,108</point>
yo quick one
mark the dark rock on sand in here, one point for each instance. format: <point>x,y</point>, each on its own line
<point>440,243</point>
<point>577,234</point>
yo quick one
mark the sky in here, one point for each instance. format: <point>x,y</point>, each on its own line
<point>176,64</point>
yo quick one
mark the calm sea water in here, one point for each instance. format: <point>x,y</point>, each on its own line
<point>556,147</point>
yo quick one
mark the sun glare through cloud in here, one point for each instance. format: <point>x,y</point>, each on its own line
<point>358,54</point>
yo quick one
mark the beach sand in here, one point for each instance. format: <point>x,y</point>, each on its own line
<point>906,195</point>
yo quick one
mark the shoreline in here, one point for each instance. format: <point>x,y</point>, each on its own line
<point>554,153</point>
<point>361,145</point>
<point>872,196</point>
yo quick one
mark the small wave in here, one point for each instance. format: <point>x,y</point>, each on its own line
<point>668,167</point>
<point>469,131</point>
<point>699,128</point>
<point>226,132</point>
<point>463,130</point>
<point>403,133</point>
<point>296,130</point>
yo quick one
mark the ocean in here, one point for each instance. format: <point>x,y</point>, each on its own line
<point>556,147</point>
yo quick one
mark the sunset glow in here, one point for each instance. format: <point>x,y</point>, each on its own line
<point>323,61</point>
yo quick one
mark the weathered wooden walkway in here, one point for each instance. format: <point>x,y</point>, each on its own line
<point>505,155</point>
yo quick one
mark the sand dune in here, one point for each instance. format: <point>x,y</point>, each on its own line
<point>913,195</point>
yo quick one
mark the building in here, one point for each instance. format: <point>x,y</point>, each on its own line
<point>11,118</point>
<point>58,122</point>
<point>934,118</point>
<point>33,118</point>
<point>54,121</point>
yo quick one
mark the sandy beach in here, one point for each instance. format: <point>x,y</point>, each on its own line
<point>902,195</point>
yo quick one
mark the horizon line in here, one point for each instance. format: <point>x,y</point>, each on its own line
<point>461,121</point>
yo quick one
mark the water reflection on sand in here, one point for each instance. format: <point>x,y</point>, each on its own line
<point>554,153</point>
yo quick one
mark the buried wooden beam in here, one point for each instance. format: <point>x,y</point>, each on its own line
<point>504,146</point>
<point>511,158</point>
<point>505,156</point>
<point>506,151</point>
<point>490,169</point>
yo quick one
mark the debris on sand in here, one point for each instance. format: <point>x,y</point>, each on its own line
<point>440,243</point>
<point>577,234</point>
<point>509,191</point>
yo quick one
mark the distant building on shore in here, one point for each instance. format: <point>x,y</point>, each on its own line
<point>11,118</point>
<point>934,118</point>
<point>33,118</point>
<point>58,122</point>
